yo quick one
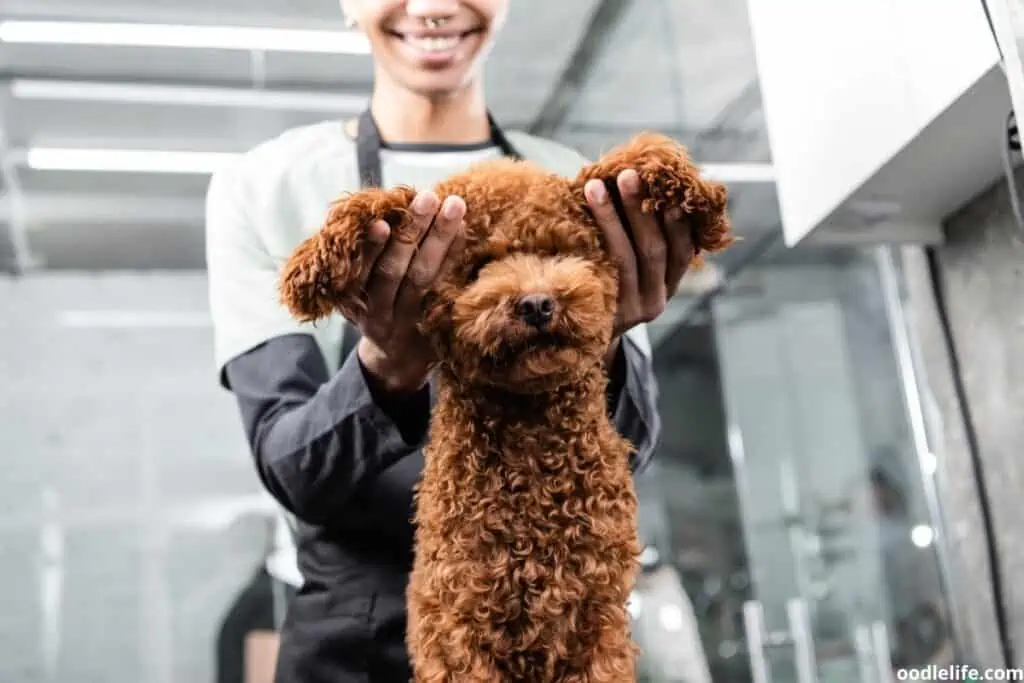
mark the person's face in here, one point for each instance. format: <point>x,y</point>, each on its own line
<point>432,47</point>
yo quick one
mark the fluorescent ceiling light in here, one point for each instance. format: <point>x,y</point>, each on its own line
<point>127,93</point>
<point>124,160</point>
<point>740,173</point>
<point>183,36</point>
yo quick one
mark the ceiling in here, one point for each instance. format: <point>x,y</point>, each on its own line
<point>586,75</point>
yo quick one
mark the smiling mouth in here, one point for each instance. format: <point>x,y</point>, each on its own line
<point>434,44</point>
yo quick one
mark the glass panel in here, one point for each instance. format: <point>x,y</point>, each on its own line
<point>834,515</point>
<point>689,516</point>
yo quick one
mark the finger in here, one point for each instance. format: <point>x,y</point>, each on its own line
<point>430,257</point>
<point>680,248</point>
<point>451,259</point>
<point>389,271</point>
<point>651,247</point>
<point>619,246</point>
<point>377,239</point>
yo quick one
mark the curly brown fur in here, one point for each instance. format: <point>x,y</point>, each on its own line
<point>526,541</point>
<point>322,273</point>
<point>669,178</point>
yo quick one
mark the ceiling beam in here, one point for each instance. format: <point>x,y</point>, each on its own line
<point>348,103</point>
<point>42,209</point>
<point>731,118</point>
<point>715,133</point>
<point>566,89</point>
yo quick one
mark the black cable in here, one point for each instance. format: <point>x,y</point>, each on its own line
<point>1009,145</point>
<point>984,499</point>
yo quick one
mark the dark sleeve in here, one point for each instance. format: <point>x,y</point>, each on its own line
<point>316,438</point>
<point>633,398</point>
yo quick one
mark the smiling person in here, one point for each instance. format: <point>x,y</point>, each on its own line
<point>336,413</point>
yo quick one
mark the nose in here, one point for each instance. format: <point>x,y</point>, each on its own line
<point>536,310</point>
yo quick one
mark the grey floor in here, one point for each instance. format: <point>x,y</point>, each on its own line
<point>128,505</point>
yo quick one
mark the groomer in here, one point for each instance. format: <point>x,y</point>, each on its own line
<point>336,436</point>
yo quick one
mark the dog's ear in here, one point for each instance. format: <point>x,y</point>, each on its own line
<point>668,178</point>
<point>325,272</point>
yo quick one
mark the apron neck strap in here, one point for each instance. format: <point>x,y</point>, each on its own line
<point>369,144</point>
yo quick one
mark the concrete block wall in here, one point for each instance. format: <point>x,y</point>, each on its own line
<point>980,273</point>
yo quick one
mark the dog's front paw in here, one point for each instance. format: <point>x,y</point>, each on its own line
<point>669,179</point>
<point>328,270</point>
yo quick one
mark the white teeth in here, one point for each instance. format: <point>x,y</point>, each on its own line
<point>433,43</point>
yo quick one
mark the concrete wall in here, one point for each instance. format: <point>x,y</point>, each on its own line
<point>980,270</point>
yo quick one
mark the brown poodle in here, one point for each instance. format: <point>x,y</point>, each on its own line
<point>526,544</point>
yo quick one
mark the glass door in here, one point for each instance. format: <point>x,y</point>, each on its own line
<point>844,575</point>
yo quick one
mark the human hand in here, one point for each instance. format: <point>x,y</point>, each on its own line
<point>405,266</point>
<point>653,262</point>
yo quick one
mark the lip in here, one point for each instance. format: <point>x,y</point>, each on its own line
<point>434,33</point>
<point>436,48</point>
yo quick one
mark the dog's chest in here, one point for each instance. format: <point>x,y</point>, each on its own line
<point>541,530</point>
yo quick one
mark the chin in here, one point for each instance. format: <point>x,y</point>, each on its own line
<point>438,86</point>
<point>438,72</point>
<point>539,371</point>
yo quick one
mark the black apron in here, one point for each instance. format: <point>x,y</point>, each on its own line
<point>347,624</point>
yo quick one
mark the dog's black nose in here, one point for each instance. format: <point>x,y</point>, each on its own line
<point>536,309</point>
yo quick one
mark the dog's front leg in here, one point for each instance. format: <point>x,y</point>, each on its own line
<point>669,179</point>
<point>442,647</point>
<point>327,272</point>
<point>453,663</point>
<point>612,661</point>
<point>611,656</point>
